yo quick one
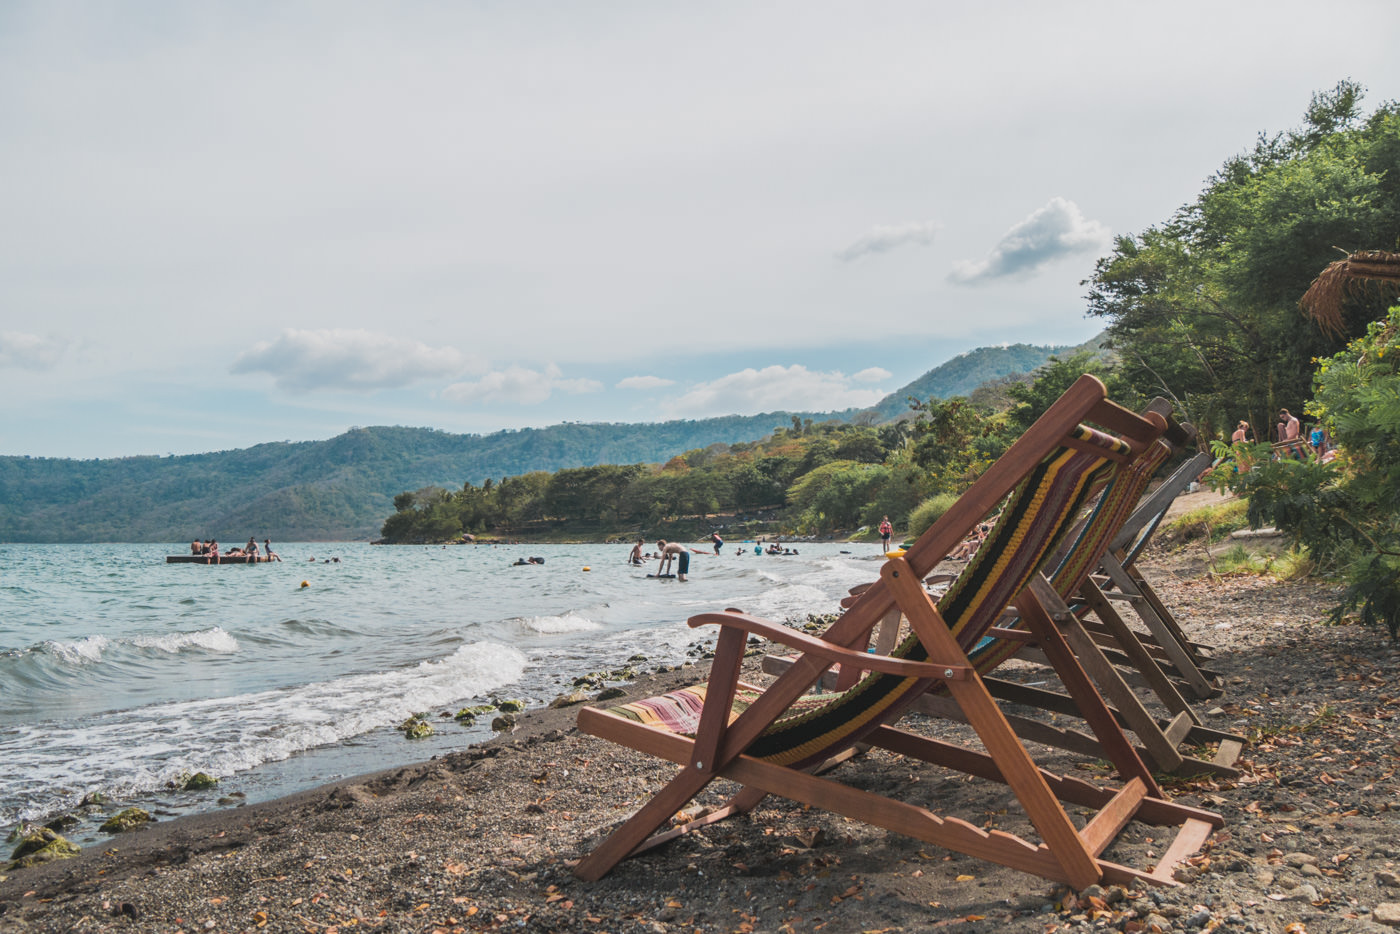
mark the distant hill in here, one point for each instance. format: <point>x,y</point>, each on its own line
<point>338,489</point>
<point>344,488</point>
<point>965,372</point>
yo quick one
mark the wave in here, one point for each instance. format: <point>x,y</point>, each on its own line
<point>554,625</point>
<point>213,640</point>
<point>80,652</point>
<point>51,766</point>
<point>90,650</point>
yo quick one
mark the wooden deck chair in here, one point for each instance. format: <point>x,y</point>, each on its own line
<point>771,740</point>
<point>1105,654</point>
<point>1108,647</point>
<point>1119,579</point>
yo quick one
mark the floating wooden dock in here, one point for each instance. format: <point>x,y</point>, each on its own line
<point>223,559</point>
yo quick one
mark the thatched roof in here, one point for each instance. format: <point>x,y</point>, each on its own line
<point>1323,299</point>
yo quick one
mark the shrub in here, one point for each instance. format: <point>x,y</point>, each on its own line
<point>928,512</point>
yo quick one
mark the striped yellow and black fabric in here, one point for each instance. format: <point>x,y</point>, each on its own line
<point>1120,495</point>
<point>1041,511</point>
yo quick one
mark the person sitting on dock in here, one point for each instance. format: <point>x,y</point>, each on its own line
<point>268,553</point>
<point>251,550</point>
<point>212,550</point>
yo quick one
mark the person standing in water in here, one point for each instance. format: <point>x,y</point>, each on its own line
<point>668,552</point>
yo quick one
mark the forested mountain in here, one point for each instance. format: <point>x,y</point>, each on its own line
<point>965,372</point>
<point>343,488</point>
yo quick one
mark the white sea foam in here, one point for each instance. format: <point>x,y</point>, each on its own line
<point>79,652</point>
<point>553,625</point>
<point>49,765</point>
<point>90,650</point>
<point>214,640</point>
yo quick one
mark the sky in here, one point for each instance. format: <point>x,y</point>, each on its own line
<point>223,224</point>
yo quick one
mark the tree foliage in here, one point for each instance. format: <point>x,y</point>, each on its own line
<point>1203,308</point>
<point>1347,511</point>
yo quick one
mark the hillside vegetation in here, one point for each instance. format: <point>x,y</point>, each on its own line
<point>343,487</point>
<point>827,478</point>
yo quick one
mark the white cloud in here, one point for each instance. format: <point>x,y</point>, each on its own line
<point>644,382</point>
<point>872,374</point>
<point>28,351</point>
<point>1056,230</point>
<point>357,360</point>
<point>794,388</point>
<point>884,239</point>
<point>518,385</point>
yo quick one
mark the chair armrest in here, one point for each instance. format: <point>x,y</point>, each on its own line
<point>829,651</point>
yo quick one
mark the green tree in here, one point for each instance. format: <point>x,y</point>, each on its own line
<point>1203,309</point>
<point>1347,512</point>
<point>834,495</point>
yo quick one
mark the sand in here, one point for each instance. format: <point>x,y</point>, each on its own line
<point>484,839</point>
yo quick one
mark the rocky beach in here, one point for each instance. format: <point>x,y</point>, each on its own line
<point>484,839</point>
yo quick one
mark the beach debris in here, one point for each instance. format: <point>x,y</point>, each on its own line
<point>597,679</point>
<point>128,819</point>
<point>199,781</point>
<point>467,715</point>
<point>416,727</point>
<point>42,845</point>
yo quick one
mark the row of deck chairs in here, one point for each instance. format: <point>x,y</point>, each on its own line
<point>1044,586</point>
<point>1154,657</point>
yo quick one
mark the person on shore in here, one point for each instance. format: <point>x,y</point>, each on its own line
<point>669,551</point>
<point>636,556</point>
<point>1318,439</point>
<point>1289,431</point>
<point>716,541</point>
<point>968,546</point>
<point>268,553</point>
<point>886,530</point>
<point>1241,434</point>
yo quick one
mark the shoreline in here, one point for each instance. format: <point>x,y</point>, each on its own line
<point>483,839</point>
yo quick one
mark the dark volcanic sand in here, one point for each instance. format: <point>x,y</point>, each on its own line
<point>483,840</point>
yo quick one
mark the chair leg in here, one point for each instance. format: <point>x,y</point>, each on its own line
<point>1128,643</point>
<point>1087,698</point>
<point>641,825</point>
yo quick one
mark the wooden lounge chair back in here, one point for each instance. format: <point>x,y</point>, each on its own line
<point>1142,524</point>
<point>1119,496</point>
<point>1043,508</point>
<point>771,740</point>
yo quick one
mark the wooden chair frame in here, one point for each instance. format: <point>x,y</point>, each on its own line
<point>718,747</point>
<point>1109,650</point>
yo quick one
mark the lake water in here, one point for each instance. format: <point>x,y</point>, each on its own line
<point>119,672</point>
